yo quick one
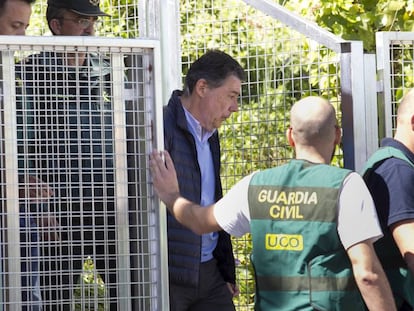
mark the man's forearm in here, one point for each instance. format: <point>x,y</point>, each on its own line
<point>180,208</point>
<point>198,219</point>
<point>188,214</point>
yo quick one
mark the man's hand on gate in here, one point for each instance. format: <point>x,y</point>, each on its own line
<point>164,177</point>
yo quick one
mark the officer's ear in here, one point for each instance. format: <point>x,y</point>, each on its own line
<point>55,26</point>
<point>338,135</point>
<point>289,137</point>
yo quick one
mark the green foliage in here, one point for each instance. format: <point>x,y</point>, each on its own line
<point>38,24</point>
<point>90,293</point>
<point>123,20</point>
<point>358,20</point>
<point>244,272</point>
<point>253,139</point>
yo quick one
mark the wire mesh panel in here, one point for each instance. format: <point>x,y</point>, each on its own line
<point>79,228</point>
<point>395,64</point>
<point>282,66</point>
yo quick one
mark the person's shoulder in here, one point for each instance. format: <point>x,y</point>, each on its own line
<point>329,171</point>
<point>27,61</point>
<point>169,116</point>
<point>37,61</point>
<point>26,67</point>
<point>101,60</point>
<point>396,165</point>
<point>42,57</point>
<point>392,173</point>
<point>336,168</point>
<point>337,175</point>
<point>172,109</point>
<point>170,124</point>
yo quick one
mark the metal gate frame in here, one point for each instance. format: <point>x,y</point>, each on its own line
<point>153,82</point>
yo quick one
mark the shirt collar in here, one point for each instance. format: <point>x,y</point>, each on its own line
<point>196,128</point>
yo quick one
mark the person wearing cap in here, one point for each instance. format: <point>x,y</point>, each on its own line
<point>65,101</point>
<point>73,18</point>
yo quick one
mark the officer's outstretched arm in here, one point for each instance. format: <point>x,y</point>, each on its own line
<point>198,219</point>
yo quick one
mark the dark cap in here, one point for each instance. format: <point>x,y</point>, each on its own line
<point>82,7</point>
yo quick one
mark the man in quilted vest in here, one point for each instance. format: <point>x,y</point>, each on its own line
<point>201,268</point>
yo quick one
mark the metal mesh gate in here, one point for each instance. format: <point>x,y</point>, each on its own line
<point>79,229</point>
<point>395,65</point>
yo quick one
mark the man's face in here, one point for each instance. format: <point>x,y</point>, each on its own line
<point>219,103</point>
<point>15,17</point>
<point>73,24</point>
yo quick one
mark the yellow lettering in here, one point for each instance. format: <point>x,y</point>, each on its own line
<point>282,198</point>
<point>298,214</point>
<point>313,198</point>
<point>287,198</point>
<point>274,211</point>
<point>262,196</point>
<point>290,242</point>
<point>292,196</point>
<point>300,197</point>
<point>291,211</point>
<point>285,212</point>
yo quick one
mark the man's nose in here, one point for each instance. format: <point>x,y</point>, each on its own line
<point>234,106</point>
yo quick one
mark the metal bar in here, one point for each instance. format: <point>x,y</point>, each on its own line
<point>32,43</point>
<point>298,23</point>
<point>149,19</point>
<point>161,212</point>
<point>384,72</point>
<point>371,109</point>
<point>353,107</point>
<point>170,47</point>
<point>121,177</point>
<point>12,189</point>
<point>142,18</point>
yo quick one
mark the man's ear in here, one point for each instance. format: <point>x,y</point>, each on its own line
<point>289,137</point>
<point>55,26</point>
<point>412,122</point>
<point>338,135</point>
<point>200,87</point>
